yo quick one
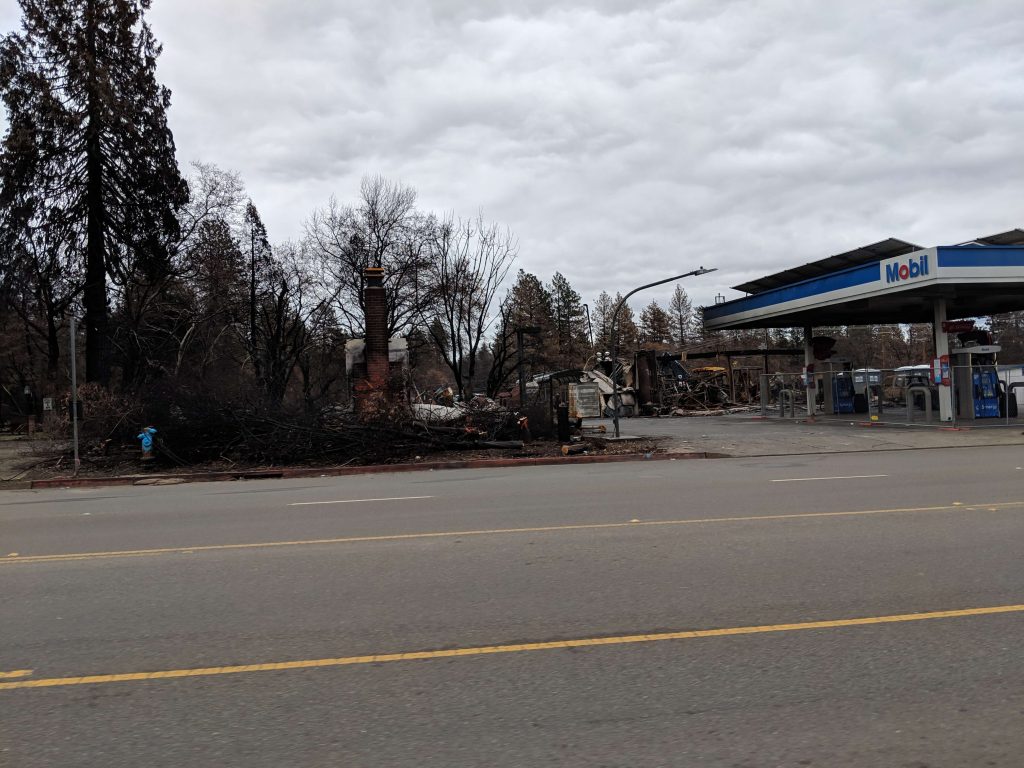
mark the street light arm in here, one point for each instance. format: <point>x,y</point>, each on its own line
<point>694,273</point>
<point>618,307</point>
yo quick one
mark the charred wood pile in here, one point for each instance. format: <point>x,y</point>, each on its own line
<point>196,432</point>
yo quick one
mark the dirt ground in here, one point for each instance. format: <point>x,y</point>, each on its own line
<point>18,457</point>
<point>22,459</point>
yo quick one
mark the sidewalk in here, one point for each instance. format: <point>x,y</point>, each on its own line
<point>746,435</point>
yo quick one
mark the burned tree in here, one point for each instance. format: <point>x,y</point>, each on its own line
<point>655,325</point>
<point>680,310</point>
<point>88,116</point>
<point>601,317</point>
<point>383,231</point>
<point>40,283</point>
<point>469,262</point>
<point>261,273</point>
<point>503,350</point>
<point>290,322</point>
<point>571,338</point>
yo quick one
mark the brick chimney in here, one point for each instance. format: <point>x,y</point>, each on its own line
<point>376,308</point>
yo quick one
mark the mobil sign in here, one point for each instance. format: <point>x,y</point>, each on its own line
<point>905,269</point>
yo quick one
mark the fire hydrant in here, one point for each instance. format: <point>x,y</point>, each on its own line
<point>146,436</point>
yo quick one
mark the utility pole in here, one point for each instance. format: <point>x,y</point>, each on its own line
<point>74,394</point>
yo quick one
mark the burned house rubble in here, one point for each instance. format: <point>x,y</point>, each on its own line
<point>657,383</point>
<point>651,383</point>
<point>553,404</point>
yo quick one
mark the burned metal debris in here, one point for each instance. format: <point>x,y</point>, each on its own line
<point>658,384</point>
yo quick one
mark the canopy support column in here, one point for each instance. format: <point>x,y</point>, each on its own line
<point>809,371</point>
<point>942,350</point>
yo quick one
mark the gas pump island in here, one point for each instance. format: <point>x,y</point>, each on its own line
<point>839,387</point>
<point>894,282</point>
<point>834,386</point>
<point>980,394</point>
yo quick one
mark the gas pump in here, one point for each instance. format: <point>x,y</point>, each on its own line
<point>976,380</point>
<point>842,393</point>
<point>867,385</point>
<point>986,392</point>
<point>835,386</point>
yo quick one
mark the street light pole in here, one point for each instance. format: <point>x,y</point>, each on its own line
<point>615,329</point>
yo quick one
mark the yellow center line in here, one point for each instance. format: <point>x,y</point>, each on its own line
<point>955,507</point>
<point>590,642</point>
<point>15,673</point>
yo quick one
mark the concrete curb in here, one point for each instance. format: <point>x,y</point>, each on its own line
<point>855,451</point>
<point>376,469</point>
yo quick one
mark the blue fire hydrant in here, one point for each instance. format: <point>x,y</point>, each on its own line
<point>146,436</point>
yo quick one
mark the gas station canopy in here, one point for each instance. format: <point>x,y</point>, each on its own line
<point>891,281</point>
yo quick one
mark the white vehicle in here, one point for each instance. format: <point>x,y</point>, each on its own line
<point>912,376</point>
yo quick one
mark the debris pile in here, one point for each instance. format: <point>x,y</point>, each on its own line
<point>704,390</point>
<point>246,435</point>
<point>218,436</point>
<point>481,423</point>
<point>658,385</point>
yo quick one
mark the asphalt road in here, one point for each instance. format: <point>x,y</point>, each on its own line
<point>844,610</point>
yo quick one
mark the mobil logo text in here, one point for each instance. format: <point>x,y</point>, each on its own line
<point>897,272</point>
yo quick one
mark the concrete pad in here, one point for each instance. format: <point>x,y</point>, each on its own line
<point>751,435</point>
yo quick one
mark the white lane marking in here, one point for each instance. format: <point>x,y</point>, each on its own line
<point>356,501</point>
<point>808,479</point>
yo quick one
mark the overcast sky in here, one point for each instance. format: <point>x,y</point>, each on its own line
<point>621,141</point>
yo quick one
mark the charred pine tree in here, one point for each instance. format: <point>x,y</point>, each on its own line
<point>503,351</point>
<point>82,75</point>
<point>260,274</point>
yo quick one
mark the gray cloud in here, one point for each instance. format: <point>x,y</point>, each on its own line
<point>622,141</point>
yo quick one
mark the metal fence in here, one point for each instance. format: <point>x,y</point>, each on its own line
<point>982,396</point>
